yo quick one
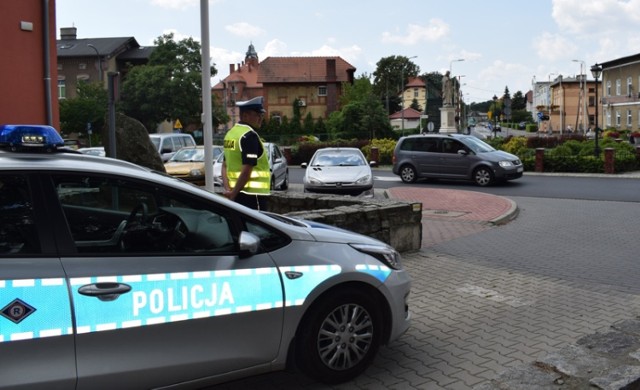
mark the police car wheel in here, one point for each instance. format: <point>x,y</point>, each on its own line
<point>340,337</point>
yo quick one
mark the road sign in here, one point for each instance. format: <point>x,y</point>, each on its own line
<point>540,114</point>
<point>177,125</point>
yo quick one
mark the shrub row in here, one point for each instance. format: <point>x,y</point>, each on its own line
<point>565,153</point>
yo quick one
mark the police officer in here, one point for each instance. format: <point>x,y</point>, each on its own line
<point>245,172</point>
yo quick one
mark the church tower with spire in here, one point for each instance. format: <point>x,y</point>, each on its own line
<point>251,57</point>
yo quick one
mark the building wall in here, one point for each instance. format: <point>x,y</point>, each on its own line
<point>620,100</point>
<point>23,97</point>
<point>410,93</point>
<point>279,99</point>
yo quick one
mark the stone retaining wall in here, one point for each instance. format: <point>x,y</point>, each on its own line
<point>397,223</point>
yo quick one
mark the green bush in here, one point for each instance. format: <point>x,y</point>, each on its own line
<point>515,145</point>
<point>385,147</point>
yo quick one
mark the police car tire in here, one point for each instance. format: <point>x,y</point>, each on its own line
<point>318,340</point>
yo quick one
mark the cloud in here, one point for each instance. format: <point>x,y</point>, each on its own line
<point>554,47</point>
<point>244,30</point>
<point>274,48</point>
<point>596,16</point>
<point>174,4</point>
<point>416,34</point>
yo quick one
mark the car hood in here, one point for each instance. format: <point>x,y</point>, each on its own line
<point>500,155</point>
<point>324,233</point>
<point>332,174</point>
<point>176,168</point>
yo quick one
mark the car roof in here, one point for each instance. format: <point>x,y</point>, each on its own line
<point>452,135</point>
<point>68,162</point>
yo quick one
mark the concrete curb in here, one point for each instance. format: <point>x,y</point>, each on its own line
<point>509,215</point>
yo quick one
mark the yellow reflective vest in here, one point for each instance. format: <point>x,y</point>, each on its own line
<point>260,181</point>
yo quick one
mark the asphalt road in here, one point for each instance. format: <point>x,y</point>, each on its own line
<point>482,303</point>
<point>621,188</point>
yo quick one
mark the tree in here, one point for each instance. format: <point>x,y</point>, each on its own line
<point>90,106</point>
<point>362,116</point>
<point>169,86</point>
<point>390,77</point>
<point>415,105</point>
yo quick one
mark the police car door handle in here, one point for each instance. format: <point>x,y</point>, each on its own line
<point>104,291</point>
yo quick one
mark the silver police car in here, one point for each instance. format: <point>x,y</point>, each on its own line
<point>113,276</point>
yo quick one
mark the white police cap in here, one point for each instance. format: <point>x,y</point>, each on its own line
<point>254,104</point>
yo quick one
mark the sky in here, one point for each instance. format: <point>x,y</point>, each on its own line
<point>503,43</point>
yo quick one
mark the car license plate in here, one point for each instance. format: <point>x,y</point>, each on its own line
<point>520,169</point>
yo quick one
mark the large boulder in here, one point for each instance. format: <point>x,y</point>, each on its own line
<point>133,143</point>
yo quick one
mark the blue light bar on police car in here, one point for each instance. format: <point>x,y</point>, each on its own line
<point>43,137</point>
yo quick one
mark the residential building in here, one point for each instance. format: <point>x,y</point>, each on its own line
<point>415,89</point>
<point>314,83</point>
<point>92,59</point>
<point>620,93</point>
<point>410,117</point>
<point>28,73</point>
<point>569,103</point>
<point>572,104</point>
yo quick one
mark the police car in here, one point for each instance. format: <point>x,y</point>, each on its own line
<point>114,276</point>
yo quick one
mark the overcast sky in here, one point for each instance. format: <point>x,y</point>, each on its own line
<point>504,43</point>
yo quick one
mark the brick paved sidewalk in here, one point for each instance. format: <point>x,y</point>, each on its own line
<point>455,213</point>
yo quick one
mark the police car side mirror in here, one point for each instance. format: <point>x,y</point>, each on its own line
<point>303,165</point>
<point>249,244</point>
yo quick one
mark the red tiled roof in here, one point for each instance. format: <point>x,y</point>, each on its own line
<point>245,73</point>
<point>301,69</point>
<point>415,82</point>
<point>409,113</point>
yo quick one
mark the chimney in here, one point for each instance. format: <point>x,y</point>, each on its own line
<point>68,33</point>
<point>331,69</point>
<point>232,68</point>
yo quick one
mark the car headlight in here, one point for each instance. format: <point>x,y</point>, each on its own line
<point>364,180</point>
<point>386,254</point>
<point>314,181</point>
<point>195,172</point>
<point>505,164</point>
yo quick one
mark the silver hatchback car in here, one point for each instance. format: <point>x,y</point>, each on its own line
<point>113,276</point>
<point>453,156</point>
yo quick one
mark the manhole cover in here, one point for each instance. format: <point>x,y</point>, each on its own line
<point>443,213</point>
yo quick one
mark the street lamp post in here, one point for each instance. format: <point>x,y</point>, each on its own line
<point>549,129</point>
<point>452,61</point>
<point>596,70</point>
<point>402,92</point>
<point>583,95</point>
<point>495,117</point>
<point>99,60</point>
<point>459,99</point>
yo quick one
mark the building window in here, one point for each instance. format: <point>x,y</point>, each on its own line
<point>82,78</point>
<point>82,66</point>
<point>416,93</point>
<point>60,67</point>
<point>62,90</point>
<point>629,118</point>
<point>608,116</point>
<point>629,86</point>
<point>608,87</point>
<point>618,87</point>
<point>322,90</point>
<point>618,118</point>
<point>277,116</point>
